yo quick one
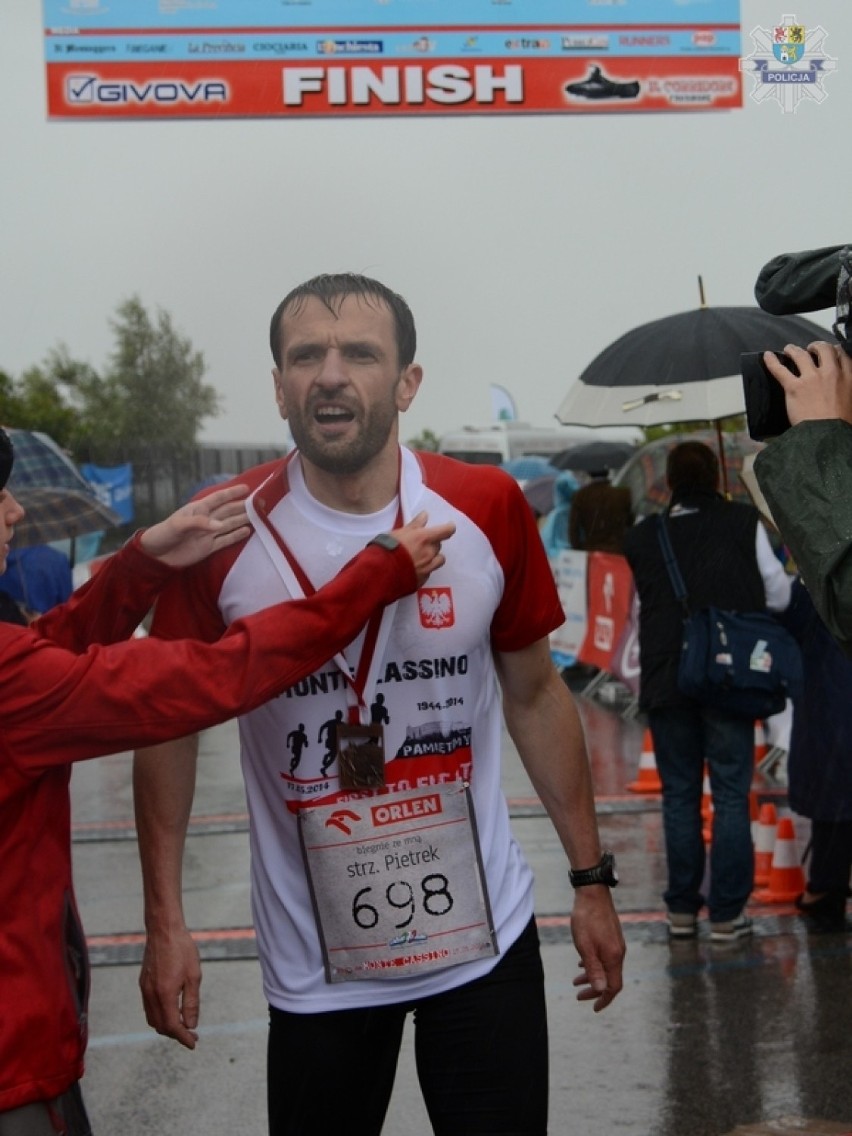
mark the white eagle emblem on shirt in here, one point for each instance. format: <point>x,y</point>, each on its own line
<point>436,607</point>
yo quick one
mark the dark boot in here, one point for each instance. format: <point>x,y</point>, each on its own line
<point>826,915</point>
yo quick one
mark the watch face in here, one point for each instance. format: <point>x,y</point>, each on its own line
<point>385,540</point>
<point>604,872</point>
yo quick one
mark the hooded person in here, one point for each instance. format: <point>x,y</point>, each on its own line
<point>554,527</point>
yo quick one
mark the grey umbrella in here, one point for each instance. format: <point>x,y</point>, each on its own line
<point>59,503</point>
<point>644,473</point>
<point>40,461</point>
<point>54,513</point>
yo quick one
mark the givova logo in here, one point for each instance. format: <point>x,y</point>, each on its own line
<point>92,90</point>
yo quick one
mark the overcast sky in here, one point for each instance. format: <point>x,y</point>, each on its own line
<point>523,244</point>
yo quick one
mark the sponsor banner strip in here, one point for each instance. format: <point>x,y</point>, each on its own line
<point>366,87</point>
<point>318,43</point>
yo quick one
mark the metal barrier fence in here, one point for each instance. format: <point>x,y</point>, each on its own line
<point>163,481</point>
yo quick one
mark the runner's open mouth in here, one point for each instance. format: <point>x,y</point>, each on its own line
<point>333,415</point>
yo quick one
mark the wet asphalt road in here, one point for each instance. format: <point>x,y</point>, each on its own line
<point>703,1039</point>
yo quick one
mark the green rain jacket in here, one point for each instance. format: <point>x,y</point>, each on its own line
<point>806,477</point>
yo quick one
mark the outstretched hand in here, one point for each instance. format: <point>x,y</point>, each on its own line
<point>195,530</point>
<point>423,544</point>
<point>823,387</point>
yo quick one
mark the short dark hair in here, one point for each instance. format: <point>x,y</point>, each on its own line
<point>692,465</point>
<point>331,287</point>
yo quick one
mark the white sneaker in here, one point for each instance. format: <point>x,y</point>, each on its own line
<point>682,925</point>
<point>732,930</point>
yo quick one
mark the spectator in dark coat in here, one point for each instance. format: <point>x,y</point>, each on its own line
<point>819,765</point>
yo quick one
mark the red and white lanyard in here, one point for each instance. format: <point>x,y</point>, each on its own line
<point>361,685</point>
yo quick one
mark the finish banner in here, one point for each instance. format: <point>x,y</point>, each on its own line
<point>236,58</point>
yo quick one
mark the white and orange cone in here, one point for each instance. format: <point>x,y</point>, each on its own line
<point>786,878</point>
<point>764,843</point>
<point>647,777</point>
<point>753,814</point>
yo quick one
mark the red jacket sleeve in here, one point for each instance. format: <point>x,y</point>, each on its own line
<point>111,605</point>
<point>60,707</point>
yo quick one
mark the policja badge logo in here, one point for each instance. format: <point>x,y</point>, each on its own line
<point>788,43</point>
<point>802,65</point>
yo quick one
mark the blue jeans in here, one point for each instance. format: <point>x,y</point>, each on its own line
<point>685,737</point>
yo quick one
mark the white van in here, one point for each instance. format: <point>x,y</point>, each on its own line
<point>498,443</point>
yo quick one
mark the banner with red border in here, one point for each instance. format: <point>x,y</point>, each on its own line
<point>307,58</point>
<point>346,87</point>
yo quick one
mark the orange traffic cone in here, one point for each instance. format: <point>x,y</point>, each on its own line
<point>647,778</point>
<point>764,844</point>
<point>786,878</point>
<point>761,747</point>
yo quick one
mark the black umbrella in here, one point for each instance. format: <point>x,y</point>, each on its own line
<point>591,456</point>
<point>683,368</point>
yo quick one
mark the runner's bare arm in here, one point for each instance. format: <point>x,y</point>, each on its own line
<point>545,726</point>
<point>163,788</point>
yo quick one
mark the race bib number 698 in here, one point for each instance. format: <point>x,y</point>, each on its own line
<point>397,883</point>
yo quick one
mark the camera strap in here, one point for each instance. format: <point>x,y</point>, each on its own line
<point>842,327</point>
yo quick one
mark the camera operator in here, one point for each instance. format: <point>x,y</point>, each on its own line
<point>806,473</point>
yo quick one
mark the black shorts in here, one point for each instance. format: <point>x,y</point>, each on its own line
<point>481,1052</point>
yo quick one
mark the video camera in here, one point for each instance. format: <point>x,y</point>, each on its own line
<point>790,284</point>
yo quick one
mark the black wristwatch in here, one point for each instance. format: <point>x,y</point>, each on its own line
<point>603,872</point>
<point>386,541</point>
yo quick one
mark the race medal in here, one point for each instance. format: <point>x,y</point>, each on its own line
<point>397,883</point>
<point>360,756</point>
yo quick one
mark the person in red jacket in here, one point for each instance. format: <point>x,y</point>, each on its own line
<point>75,687</point>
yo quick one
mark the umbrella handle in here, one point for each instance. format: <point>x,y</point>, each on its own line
<point>722,466</point>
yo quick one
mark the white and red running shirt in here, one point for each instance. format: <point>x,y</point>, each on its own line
<point>427,676</point>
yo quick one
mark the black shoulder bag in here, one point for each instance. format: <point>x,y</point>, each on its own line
<point>744,663</point>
